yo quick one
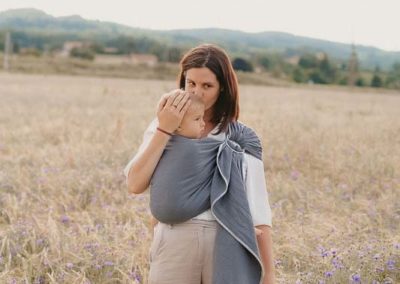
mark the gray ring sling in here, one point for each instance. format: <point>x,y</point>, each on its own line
<point>194,175</point>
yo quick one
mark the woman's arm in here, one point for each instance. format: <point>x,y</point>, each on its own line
<point>142,169</point>
<point>169,118</point>
<point>257,195</point>
<point>264,241</point>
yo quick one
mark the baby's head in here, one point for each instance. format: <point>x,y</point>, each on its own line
<point>192,124</point>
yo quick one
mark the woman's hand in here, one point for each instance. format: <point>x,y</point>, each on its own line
<point>171,109</point>
<point>268,279</point>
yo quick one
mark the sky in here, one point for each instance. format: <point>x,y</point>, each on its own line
<point>367,22</point>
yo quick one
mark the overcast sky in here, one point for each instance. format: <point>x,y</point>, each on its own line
<point>367,22</point>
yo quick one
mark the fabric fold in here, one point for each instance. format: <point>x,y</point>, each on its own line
<point>195,175</point>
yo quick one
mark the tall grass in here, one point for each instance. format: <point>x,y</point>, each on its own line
<point>331,156</point>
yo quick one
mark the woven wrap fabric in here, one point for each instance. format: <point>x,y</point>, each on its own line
<point>194,175</point>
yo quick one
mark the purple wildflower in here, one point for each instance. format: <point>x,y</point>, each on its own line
<point>337,263</point>
<point>40,280</point>
<point>136,276</point>
<point>356,278</point>
<point>391,264</point>
<point>295,174</point>
<point>69,265</point>
<point>329,274</point>
<point>323,251</point>
<point>65,219</point>
<point>108,263</point>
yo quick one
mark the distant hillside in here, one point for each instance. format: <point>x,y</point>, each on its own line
<point>36,20</point>
<point>32,22</point>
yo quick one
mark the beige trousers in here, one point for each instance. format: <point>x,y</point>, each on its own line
<point>182,253</point>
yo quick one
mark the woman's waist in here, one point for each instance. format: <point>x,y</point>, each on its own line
<point>193,223</point>
<point>205,218</point>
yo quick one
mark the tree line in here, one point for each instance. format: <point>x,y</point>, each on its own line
<point>306,67</point>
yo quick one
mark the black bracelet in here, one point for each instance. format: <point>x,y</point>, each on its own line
<point>163,131</point>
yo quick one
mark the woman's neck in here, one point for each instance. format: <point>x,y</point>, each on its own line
<point>209,125</point>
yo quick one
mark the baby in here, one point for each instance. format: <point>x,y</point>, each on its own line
<point>192,126</point>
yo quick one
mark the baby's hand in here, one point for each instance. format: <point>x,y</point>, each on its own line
<point>258,232</point>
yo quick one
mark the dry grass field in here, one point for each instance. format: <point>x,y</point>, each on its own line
<point>332,165</point>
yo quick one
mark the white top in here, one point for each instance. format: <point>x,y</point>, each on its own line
<point>256,190</point>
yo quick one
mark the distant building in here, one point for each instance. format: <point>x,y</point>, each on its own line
<point>133,59</point>
<point>69,45</point>
<point>146,59</point>
<point>110,50</point>
<point>110,59</point>
<point>294,60</point>
<point>320,55</point>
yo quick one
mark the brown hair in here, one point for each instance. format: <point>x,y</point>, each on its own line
<point>226,108</point>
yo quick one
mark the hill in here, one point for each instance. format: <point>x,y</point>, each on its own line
<point>31,24</point>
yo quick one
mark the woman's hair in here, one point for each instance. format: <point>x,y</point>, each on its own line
<point>226,108</point>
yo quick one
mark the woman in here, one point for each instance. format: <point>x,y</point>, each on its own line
<point>183,253</point>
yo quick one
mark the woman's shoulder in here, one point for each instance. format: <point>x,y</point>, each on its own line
<point>245,129</point>
<point>246,137</point>
<point>239,122</point>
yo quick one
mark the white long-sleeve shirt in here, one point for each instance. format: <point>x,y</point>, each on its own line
<point>256,190</point>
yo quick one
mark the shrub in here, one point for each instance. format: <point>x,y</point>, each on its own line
<point>241,64</point>
<point>83,53</point>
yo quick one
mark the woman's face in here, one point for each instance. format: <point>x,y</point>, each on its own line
<point>203,82</point>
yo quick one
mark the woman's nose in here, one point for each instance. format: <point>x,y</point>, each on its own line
<point>197,91</point>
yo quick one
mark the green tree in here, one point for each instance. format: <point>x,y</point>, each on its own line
<point>393,78</point>
<point>327,70</point>
<point>241,64</point>
<point>265,62</point>
<point>317,77</point>
<point>174,54</point>
<point>298,75</point>
<point>308,61</point>
<point>83,53</point>
<point>376,81</point>
<point>360,82</point>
